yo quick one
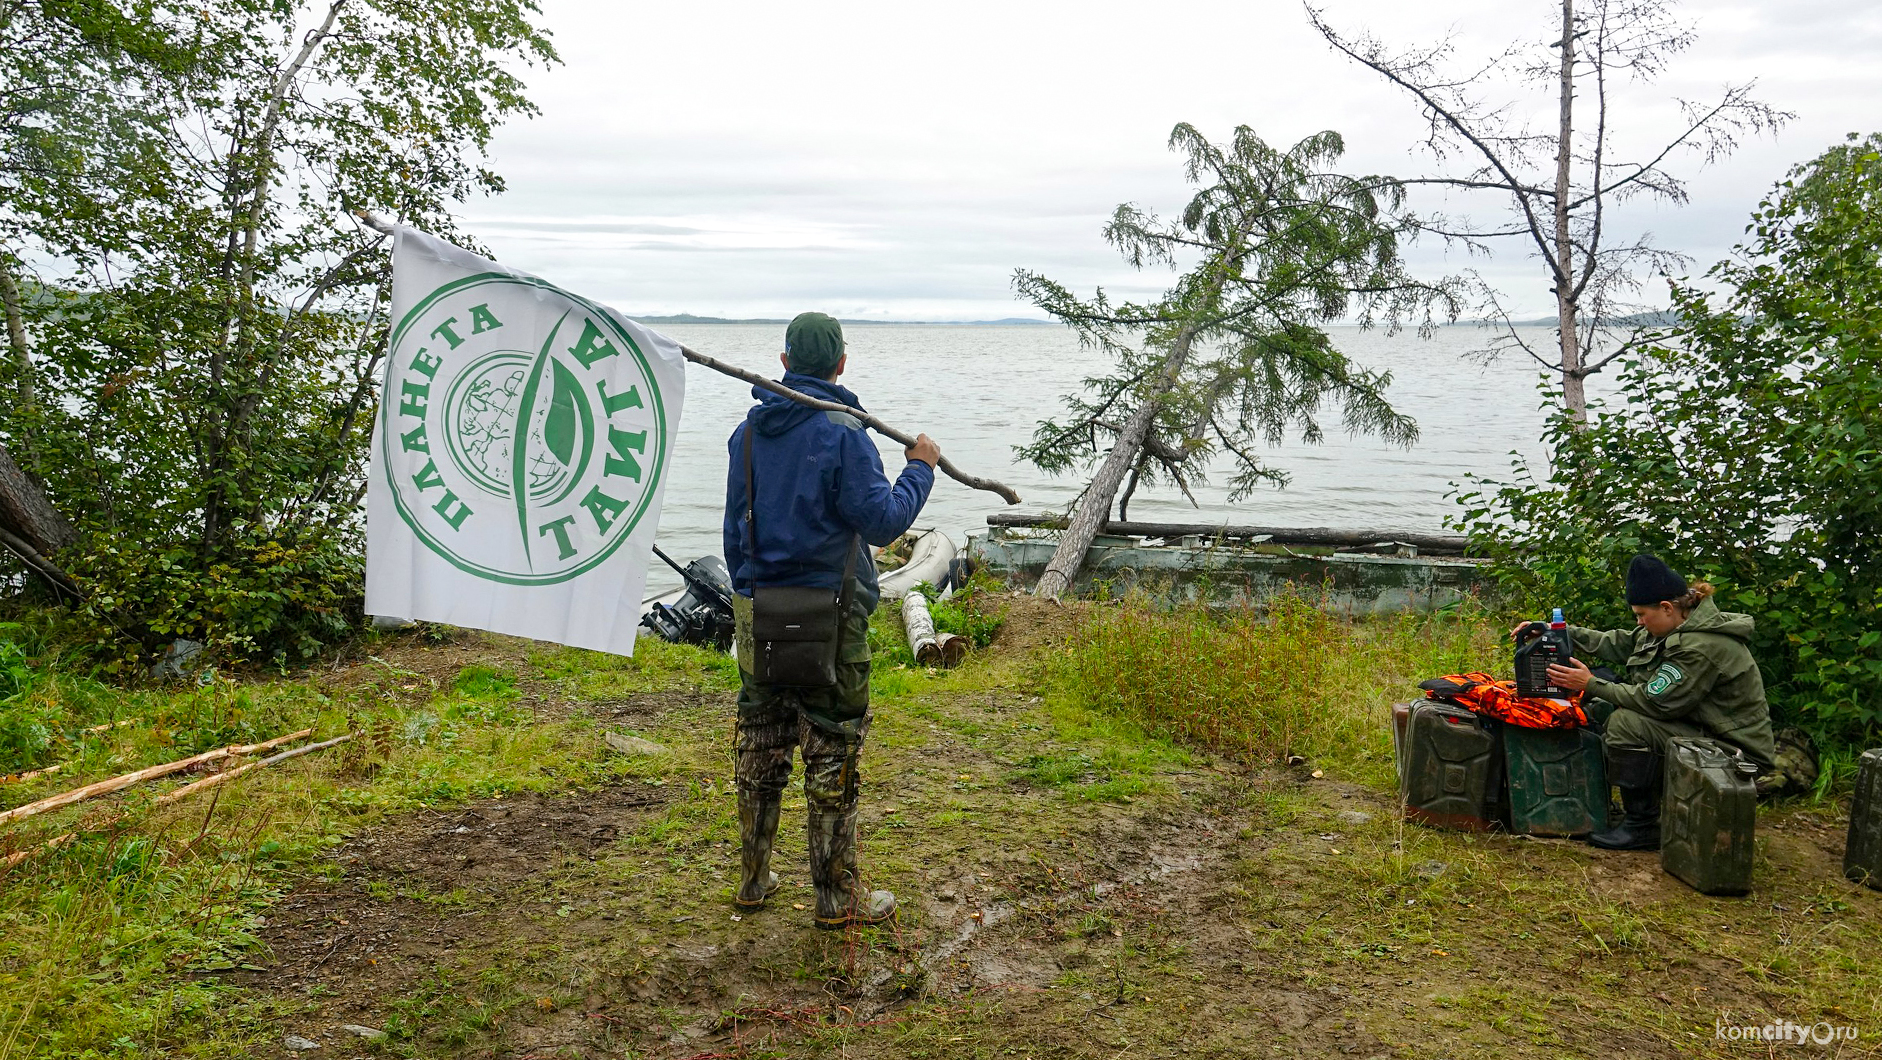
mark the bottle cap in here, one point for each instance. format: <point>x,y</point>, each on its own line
<point>1556,620</point>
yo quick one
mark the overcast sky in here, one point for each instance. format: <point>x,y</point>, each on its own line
<point>892,161</point>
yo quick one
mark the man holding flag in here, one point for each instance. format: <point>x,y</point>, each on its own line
<point>806,495</point>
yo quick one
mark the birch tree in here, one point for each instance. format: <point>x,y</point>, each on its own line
<point>1273,245</point>
<point>1557,181</point>
<point>215,359</point>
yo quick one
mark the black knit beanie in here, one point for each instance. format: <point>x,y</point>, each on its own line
<point>1649,582</point>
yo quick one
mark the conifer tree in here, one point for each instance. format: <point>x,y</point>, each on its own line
<point>1273,245</point>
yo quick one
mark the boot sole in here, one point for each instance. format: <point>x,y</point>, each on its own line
<point>1643,847</point>
<point>760,903</point>
<point>852,921</point>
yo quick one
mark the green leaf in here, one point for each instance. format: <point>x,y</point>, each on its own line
<point>562,430</point>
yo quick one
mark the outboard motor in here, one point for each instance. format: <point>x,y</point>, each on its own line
<point>703,614</point>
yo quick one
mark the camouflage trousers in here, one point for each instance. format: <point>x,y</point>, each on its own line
<point>827,724</point>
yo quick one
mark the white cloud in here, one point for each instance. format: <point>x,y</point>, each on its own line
<point>895,161</point>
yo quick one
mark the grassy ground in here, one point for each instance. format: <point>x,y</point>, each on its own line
<point>1097,850</point>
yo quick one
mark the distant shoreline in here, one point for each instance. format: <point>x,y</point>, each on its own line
<point>688,318</point>
<point>1008,322</point>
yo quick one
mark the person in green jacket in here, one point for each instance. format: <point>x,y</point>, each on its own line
<point>1688,671</point>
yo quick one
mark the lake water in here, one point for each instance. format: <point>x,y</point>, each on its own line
<point>980,390</point>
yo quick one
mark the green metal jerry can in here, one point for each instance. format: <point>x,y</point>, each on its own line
<point>1453,773</point>
<point>1862,858</point>
<point>1708,815</point>
<point>1558,781</point>
<point>1401,732</point>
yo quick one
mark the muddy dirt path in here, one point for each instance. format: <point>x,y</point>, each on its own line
<point>503,928</point>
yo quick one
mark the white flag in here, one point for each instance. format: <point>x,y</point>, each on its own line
<point>522,448</point>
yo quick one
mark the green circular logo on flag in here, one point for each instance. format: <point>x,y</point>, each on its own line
<point>523,429</point>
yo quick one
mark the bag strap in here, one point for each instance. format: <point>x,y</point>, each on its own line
<point>751,503</point>
<point>843,595</point>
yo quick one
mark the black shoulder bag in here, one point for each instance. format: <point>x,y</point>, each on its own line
<point>797,630</point>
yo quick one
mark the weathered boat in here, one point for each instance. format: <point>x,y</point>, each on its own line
<point>1356,572</point>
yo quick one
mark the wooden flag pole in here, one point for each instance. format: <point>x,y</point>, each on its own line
<point>946,467</point>
<point>975,481</point>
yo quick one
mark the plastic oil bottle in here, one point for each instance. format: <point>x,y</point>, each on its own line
<point>1539,647</point>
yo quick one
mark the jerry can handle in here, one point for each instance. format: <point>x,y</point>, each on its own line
<point>1530,631</point>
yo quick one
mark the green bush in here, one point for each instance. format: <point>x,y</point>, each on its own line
<point>274,598</point>
<point>1745,449</point>
<point>195,356</point>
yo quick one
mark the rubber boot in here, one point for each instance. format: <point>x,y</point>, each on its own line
<point>757,830</point>
<point>841,901</point>
<point>1636,771</point>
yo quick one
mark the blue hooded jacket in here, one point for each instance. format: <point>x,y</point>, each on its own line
<point>820,482</point>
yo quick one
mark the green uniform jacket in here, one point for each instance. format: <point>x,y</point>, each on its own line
<point>1701,672</point>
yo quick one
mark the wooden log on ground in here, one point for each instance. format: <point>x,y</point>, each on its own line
<point>920,626</point>
<point>169,797</point>
<point>118,783</point>
<point>31,774</point>
<point>230,774</point>
<point>1288,535</point>
<point>49,845</point>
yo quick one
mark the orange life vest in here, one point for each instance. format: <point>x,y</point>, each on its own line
<point>1482,694</point>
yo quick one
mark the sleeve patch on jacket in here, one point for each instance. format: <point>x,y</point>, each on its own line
<point>1664,678</point>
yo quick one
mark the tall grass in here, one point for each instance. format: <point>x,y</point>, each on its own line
<point>1289,679</point>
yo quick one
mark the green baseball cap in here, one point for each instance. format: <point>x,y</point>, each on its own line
<point>814,343</point>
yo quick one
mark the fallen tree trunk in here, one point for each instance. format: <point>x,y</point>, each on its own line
<point>1289,535</point>
<point>169,797</point>
<point>39,564</point>
<point>118,783</point>
<point>25,511</point>
<point>1094,506</point>
<point>31,528</point>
